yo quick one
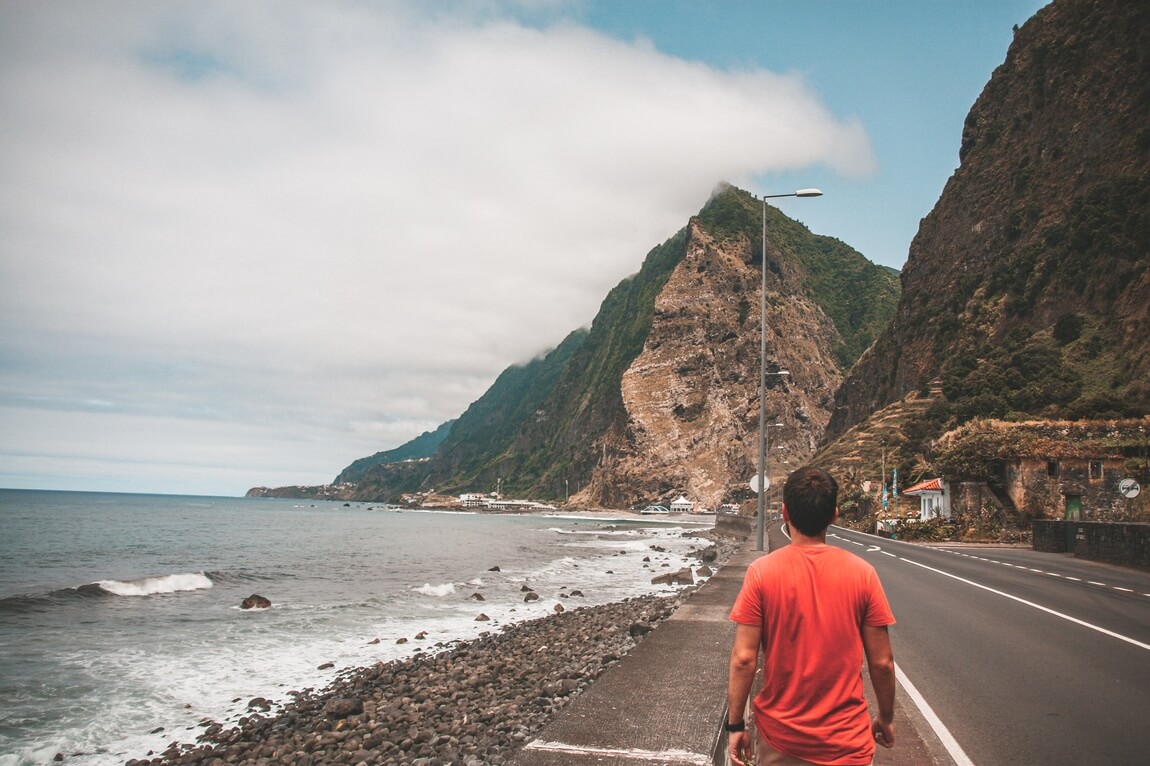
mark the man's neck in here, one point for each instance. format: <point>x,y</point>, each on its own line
<point>798,538</point>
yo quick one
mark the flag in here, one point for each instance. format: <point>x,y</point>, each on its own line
<point>884,495</point>
<point>894,483</point>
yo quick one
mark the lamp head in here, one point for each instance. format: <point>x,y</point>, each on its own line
<point>809,193</point>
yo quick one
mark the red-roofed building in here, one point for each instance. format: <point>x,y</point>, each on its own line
<point>933,499</point>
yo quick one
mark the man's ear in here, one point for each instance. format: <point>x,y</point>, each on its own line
<point>836,516</point>
<point>786,516</point>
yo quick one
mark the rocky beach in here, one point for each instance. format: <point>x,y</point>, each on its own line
<point>470,703</point>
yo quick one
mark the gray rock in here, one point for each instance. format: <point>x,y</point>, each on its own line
<point>255,601</point>
<point>342,707</point>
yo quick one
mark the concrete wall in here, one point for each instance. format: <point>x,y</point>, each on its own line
<point>1111,543</point>
<point>733,525</point>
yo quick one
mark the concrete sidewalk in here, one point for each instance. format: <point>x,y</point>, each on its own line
<point>664,703</point>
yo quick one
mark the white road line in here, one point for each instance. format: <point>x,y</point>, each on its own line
<point>1092,582</point>
<point>1039,607</point>
<point>664,756</point>
<point>1124,590</point>
<point>948,741</point>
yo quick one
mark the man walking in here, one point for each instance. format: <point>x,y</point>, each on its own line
<point>814,611</point>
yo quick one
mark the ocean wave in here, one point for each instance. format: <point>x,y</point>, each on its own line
<point>427,589</point>
<point>597,532</point>
<point>105,589</point>
<point>150,586</point>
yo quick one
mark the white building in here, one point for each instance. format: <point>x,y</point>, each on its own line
<point>933,499</point>
<point>682,505</point>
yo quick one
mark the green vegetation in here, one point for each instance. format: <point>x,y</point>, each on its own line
<point>858,296</point>
<point>422,446</point>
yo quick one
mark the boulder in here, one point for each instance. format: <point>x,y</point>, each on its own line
<point>342,707</point>
<point>531,596</point>
<point>255,601</point>
<point>683,577</point>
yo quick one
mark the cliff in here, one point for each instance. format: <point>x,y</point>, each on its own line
<point>1027,289</point>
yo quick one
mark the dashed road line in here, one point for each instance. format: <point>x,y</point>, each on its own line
<point>1039,571</point>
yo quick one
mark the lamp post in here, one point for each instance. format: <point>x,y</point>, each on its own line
<point>763,362</point>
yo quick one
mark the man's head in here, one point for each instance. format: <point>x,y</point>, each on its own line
<point>811,497</point>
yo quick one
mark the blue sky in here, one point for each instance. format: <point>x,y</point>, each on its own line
<point>908,70</point>
<point>247,243</point>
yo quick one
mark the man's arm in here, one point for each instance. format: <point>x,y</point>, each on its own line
<point>744,662</point>
<point>880,664</point>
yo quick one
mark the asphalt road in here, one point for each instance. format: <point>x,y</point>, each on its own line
<point>1023,657</point>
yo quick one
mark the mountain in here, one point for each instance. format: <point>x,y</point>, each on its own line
<point>660,395</point>
<point>1026,292</point>
<point>422,446</point>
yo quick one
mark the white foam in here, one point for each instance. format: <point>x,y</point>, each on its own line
<point>152,585</point>
<point>427,589</point>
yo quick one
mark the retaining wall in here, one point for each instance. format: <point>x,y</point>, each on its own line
<point>1125,544</point>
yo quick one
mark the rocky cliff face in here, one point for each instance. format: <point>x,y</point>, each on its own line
<point>688,417</point>
<point>1027,288</point>
<point>691,397</point>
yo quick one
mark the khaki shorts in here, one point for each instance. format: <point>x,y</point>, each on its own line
<point>765,755</point>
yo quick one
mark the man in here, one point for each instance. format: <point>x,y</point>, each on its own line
<point>814,610</point>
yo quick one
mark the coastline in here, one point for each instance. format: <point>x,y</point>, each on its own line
<point>473,702</point>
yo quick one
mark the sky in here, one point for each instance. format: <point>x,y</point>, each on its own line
<point>244,244</point>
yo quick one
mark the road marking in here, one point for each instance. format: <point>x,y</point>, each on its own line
<point>1039,607</point>
<point>1019,567</point>
<point>664,756</point>
<point>948,741</point>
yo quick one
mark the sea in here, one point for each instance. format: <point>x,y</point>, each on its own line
<point>121,629</point>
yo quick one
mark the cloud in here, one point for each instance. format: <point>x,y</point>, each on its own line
<point>325,228</point>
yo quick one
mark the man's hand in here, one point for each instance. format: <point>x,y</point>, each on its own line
<point>739,747</point>
<point>883,732</point>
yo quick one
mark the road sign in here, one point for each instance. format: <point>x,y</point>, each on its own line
<point>755,483</point>
<point>1129,488</point>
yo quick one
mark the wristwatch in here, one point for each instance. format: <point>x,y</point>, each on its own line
<point>734,727</point>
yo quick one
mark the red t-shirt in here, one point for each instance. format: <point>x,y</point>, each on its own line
<point>812,602</point>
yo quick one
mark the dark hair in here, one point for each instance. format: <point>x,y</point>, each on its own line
<point>811,496</point>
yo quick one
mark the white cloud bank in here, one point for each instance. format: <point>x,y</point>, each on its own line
<point>246,243</point>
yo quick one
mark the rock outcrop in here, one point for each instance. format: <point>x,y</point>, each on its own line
<point>1027,288</point>
<point>691,397</point>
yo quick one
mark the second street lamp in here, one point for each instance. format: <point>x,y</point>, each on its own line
<point>762,490</point>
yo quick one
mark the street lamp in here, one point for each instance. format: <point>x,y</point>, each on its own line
<point>763,361</point>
